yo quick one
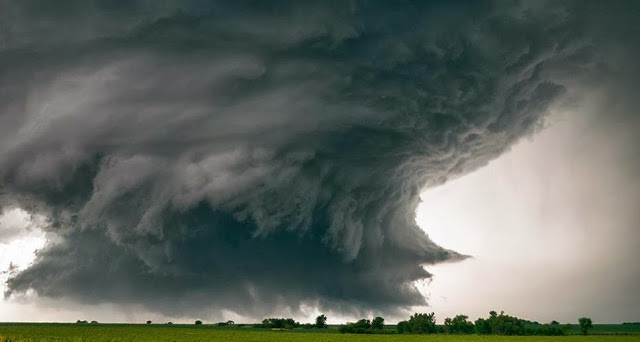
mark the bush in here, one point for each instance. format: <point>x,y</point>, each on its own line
<point>198,322</point>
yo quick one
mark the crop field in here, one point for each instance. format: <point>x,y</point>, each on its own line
<point>131,332</point>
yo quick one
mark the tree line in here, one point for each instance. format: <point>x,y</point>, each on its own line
<point>425,323</point>
<point>495,324</point>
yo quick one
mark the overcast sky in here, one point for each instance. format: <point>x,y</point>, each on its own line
<point>173,161</point>
<point>552,227</point>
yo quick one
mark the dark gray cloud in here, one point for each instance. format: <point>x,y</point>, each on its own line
<point>252,156</point>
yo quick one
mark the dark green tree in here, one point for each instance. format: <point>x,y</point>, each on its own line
<point>362,326</point>
<point>280,323</point>
<point>321,321</point>
<point>198,322</point>
<point>363,323</point>
<point>585,324</point>
<point>403,327</point>
<point>377,323</point>
<point>482,327</point>
<point>501,324</point>
<point>458,325</point>
<point>419,324</point>
<point>552,329</point>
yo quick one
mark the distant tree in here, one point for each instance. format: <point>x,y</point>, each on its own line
<point>321,321</point>
<point>403,327</point>
<point>230,322</point>
<point>148,322</point>
<point>222,324</point>
<point>551,329</point>
<point>419,324</point>
<point>501,324</point>
<point>289,323</point>
<point>169,323</point>
<point>585,324</point>
<point>280,323</point>
<point>81,322</point>
<point>482,326</point>
<point>362,326</point>
<point>94,322</point>
<point>377,323</point>
<point>458,325</point>
<point>363,323</point>
<point>198,322</point>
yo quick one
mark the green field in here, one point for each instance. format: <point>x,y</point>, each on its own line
<point>132,332</point>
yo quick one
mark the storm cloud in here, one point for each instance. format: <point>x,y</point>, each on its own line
<point>255,157</point>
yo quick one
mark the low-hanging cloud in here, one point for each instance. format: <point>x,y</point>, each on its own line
<point>246,158</point>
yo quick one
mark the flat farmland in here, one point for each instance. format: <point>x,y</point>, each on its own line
<point>132,332</point>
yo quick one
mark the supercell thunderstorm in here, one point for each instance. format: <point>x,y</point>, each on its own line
<point>250,157</point>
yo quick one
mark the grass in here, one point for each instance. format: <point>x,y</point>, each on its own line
<point>32,332</point>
